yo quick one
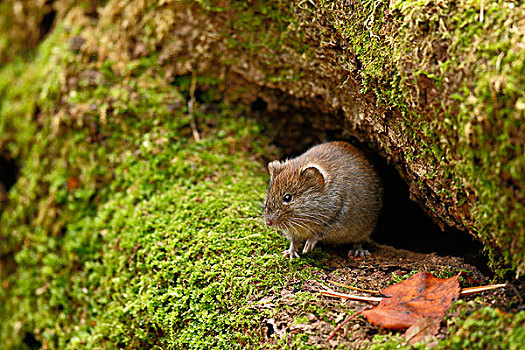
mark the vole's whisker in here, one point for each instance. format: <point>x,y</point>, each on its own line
<point>297,223</point>
<point>303,225</point>
<point>304,222</point>
<point>258,194</point>
<point>317,216</point>
<point>311,220</point>
<point>314,222</point>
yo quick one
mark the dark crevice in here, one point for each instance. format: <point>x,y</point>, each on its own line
<point>46,24</point>
<point>31,342</point>
<point>259,105</point>
<point>404,224</point>
<point>92,8</point>
<point>8,177</point>
<point>269,330</point>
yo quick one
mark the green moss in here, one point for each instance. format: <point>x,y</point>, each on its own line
<point>485,328</point>
<point>126,232</point>
<point>122,231</point>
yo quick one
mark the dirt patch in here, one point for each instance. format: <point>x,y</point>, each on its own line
<point>301,314</point>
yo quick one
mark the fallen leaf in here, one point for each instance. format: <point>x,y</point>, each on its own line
<point>421,295</point>
<point>422,329</point>
<point>410,303</point>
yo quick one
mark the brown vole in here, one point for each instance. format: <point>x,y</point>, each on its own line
<point>330,194</point>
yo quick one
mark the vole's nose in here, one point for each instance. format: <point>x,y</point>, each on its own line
<point>268,221</point>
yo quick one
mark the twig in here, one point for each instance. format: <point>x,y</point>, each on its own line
<point>343,323</point>
<point>354,288</point>
<point>191,103</point>
<point>464,291</point>
<point>135,250</point>
<point>472,290</point>
<point>482,11</point>
<point>351,296</point>
<point>243,238</point>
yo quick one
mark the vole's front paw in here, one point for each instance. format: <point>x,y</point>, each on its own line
<point>358,251</point>
<point>290,253</point>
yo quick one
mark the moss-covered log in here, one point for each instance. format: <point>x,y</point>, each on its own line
<point>436,87</point>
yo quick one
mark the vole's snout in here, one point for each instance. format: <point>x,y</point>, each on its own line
<point>270,219</point>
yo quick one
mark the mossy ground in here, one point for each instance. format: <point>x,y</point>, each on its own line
<point>122,231</point>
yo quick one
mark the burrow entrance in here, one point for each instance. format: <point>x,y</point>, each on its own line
<point>402,223</point>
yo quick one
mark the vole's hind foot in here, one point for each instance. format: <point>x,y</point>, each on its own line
<point>358,251</point>
<point>310,244</point>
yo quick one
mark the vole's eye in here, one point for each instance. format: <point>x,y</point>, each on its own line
<point>287,198</point>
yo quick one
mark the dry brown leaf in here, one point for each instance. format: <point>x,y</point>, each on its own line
<point>421,295</point>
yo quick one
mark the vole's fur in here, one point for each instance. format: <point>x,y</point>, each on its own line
<point>335,197</point>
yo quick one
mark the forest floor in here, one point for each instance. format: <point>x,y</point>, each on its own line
<point>384,267</point>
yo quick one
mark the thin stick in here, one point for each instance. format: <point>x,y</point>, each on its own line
<point>191,103</point>
<point>354,288</point>
<point>351,296</point>
<point>472,290</point>
<point>482,11</point>
<point>243,238</point>
<point>342,324</point>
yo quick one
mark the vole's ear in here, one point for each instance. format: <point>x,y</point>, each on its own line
<point>275,167</point>
<point>315,173</point>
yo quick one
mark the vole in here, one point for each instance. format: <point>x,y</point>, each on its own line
<point>330,194</point>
